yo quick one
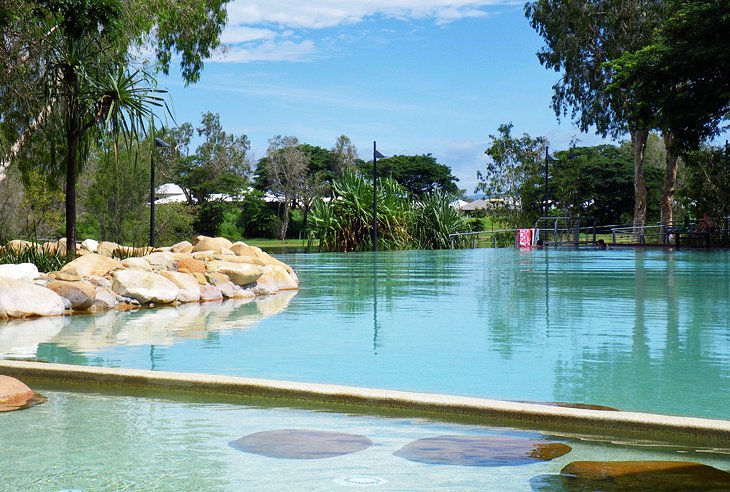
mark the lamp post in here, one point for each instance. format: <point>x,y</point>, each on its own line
<point>376,154</point>
<point>158,143</point>
<point>548,158</point>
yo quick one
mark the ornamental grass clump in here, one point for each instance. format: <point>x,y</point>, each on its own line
<point>45,259</point>
<point>345,223</point>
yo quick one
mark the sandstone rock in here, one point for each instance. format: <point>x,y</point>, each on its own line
<point>50,247</point>
<point>99,281</point>
<point>66,276</point>
<point>205,243</point>
<point>90,245</point>
<point>187,283</point>
<point>13,393</point>
<point>216,278</point>
<point>160,259</point>
<point>638,476</point>
<point>135,263</point>
<point>238,273</point>
<point>251,260</point>
<point>18,245</point>
<point>182,247</point>
<point>80,294</point>
<point>106,248</point>
<point>145,287</point>
<point>210,293</point>
<point>105,299</point>
<point>92,264</point>
<point>22,271</point>
<point>276,278</point>
<point>200,278</point>
<point>19,299</point>
<point>191,265</point>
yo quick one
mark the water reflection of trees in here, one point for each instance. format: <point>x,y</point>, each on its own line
<point>672,356</point>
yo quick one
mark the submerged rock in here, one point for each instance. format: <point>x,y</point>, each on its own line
<point>639,476</point>
<point>481,450</point>
<point>13,393</point>
<point>301,444</point>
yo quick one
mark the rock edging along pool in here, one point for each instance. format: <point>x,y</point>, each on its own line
<point>631,425</point>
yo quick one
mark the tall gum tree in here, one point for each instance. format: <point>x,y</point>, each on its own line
<point>580,38</point>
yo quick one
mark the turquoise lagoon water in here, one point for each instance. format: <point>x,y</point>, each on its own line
<point>636,330</point>
<point>99,442</point>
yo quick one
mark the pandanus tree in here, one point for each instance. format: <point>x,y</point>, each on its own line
<point>79,52</point>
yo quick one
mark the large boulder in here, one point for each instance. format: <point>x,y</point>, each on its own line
<point>182,247</point>
<point>238,273</point>
<point>187,283</point>
<point>190,265</point>
<point>205,243</point>
<point>81,294</point>
<point>160,259</point>
<point>276,278</point>
<point>251,260</point>
<point>19,299</point>
<point>106,248</point>
<point>90,245</point>
<point>145,287</point>
<point>21,271</point>
<point>18,245</point>
<point>137,264</point>
<point>105,299</point>
<point>93,264</point>
<point>210,293</point>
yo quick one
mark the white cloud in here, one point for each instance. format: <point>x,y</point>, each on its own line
<point>244,34</point>
<point>317,14</point>
<point>267,51</point>
<point>263,25</point>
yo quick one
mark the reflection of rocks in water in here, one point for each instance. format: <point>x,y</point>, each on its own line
<point>659,476</point>
<point>481,451</point>
<point>301,444</point>
<point>15,395</point>
<point>20,338</point>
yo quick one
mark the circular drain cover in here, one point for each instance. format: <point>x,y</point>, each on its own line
<point>361,481</point>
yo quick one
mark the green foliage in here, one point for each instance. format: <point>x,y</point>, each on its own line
<point>219,165</point>
<point>513,174</point>
<point>435,219</point>
<point>682,76</point>
<point>707,182</point>
<point>419,174</point>
<point>257,217</point>
<point>208,218</point>
<point>599,182</point>
<point>346,222</point>
<point>173,223</point>
<point>43,259</point>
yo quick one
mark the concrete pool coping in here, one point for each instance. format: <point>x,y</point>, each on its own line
<point>595,423</point>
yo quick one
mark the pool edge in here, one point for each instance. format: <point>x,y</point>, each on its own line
<point>606,424</point>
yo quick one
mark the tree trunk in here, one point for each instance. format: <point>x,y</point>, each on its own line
<point>72,141</point>
<point>670,179</point>
<point>638,146</point>
<point>285,219</point>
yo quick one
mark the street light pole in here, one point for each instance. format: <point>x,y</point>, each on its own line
<point>375,197</point>
<point>545,208</point>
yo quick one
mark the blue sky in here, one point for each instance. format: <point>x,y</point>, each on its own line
<point>417,76</point>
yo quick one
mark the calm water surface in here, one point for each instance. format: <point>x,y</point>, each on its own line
<point>636,330</point>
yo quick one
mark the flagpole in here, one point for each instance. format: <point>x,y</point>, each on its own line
<point>375,197</point>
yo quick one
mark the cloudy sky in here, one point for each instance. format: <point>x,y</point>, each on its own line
<point>417,76</point>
